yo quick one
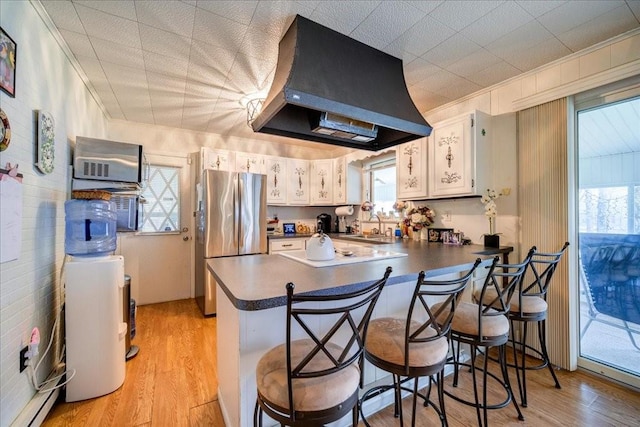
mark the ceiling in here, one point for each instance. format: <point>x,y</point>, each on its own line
<point>193,64</point>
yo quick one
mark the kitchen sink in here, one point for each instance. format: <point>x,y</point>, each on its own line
<point>367,238</point>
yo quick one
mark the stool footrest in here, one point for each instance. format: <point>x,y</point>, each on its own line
<point>380,389</point>
<point>473,403</point>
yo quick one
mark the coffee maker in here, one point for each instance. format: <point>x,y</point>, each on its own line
<point>324,223</point>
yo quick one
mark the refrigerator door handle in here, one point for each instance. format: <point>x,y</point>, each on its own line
<point>238,227</point>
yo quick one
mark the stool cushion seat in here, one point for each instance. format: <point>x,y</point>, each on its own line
<point>310,394</point>
<point>386,341</point>
<point>531,304</point>
<point>466,322</point>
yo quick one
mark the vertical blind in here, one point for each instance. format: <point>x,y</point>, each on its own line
<point>543,207</point>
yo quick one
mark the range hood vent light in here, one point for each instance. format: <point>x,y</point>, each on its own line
<point>332,89</point>
<point>346,128</point>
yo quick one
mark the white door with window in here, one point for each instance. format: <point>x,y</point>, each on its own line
<point>159,256</point>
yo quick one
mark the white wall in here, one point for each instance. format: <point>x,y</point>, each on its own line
<point>29,286</point>
<point>182,142</point>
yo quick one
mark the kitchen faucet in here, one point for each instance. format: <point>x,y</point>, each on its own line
<point>380,232</point>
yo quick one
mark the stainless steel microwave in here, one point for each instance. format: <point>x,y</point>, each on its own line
<point>102,160</point>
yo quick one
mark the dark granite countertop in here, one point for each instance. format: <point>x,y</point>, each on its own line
<point>257,282</point>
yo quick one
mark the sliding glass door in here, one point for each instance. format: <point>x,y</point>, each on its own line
<point>608,211</point>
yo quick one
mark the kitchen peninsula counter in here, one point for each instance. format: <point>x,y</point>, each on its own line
<point>251,307</point>
<point>257,282</point>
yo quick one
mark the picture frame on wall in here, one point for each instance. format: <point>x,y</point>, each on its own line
<point>8,50</point>
<point>45,143</point>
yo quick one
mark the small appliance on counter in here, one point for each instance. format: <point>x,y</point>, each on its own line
<point>342,212</point>
<point>324,223</point>
<point>272,225</point>
<point>320,248</point>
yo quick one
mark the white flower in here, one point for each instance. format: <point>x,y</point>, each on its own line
<point>488,200</point>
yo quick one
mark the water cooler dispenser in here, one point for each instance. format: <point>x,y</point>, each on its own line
<point>94,280</point>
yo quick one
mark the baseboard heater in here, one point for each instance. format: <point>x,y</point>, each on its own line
<point>39,406</point>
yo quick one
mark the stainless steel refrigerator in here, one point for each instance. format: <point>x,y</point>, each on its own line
<point>231,220</point>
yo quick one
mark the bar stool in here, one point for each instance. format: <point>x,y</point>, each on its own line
<point>416,346</point>
<point>485,325</point>
<point>531,306</point>
<point>314,379</point>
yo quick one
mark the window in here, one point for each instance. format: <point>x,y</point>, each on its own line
<point>161,200</point>
<point>381,181</point>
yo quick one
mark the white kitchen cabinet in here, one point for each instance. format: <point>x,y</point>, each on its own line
<point>460,156</point>
<point>288,244</point>
<point>321,182</point>
<point>222,160</point>
<point>276,170</point>
<point>411,170</point>
<point>347,183</point>
<point>247,162</point>
<point>297,182</point>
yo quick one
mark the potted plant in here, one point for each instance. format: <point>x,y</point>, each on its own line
<point>491,239</point>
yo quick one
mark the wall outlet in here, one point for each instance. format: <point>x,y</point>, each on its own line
<point>446,217</point>
<point>23,358</point>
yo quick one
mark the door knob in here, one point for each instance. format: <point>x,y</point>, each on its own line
<point>185,238</point>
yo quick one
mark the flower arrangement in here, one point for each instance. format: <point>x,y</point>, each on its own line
<point>367,206</point>
<point>419,217</point>
<point>490,209</point>
<point>399,206</point>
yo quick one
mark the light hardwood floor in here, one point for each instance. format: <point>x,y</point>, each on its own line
<point>172,382</point>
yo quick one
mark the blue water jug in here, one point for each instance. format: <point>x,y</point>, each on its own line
<point>90,227</point>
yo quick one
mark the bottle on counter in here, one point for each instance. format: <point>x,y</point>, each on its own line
<point>398,231</point>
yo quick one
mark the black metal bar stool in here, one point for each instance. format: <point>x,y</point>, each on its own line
<point>314,377</point>
<point>531,306</point>
<point>484,325</point>
<point>416,346</point>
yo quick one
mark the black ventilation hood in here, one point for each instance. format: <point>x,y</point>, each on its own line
<point>332,89</point>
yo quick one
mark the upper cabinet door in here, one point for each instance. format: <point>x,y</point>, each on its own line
<point>297,181</point>
<point>411,169</point>
<point>339,181</point>
<point>276,168</point>
<point>458,153</point>
<point>321,182</point>
<point>221,160</point>
<point>252,163</point>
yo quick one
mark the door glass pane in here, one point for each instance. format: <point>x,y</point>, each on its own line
<point>609,242</point>
<point>161,200</point>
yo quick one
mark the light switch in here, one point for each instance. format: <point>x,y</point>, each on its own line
<point>447,216</point>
